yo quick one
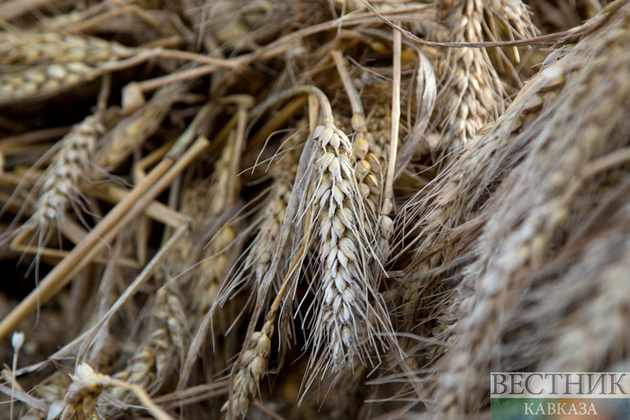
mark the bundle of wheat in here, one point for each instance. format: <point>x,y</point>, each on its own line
<point>515,203</point>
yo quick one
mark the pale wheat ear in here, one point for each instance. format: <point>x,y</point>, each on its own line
<point>58,188</point>
<point>250,270</point>
<point>30,48</point>
<point>43,64</point>
<point>253,359</point>
<point>87,385</point>
<point>131,132</point>
<point>82,156</point>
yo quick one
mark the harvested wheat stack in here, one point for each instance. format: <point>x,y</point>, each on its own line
<point>232,245</point>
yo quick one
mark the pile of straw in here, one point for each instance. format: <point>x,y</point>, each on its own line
<point>308,209</point>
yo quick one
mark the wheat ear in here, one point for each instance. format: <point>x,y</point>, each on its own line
<point>268,222</point>
<point>87,385</point>
<point>343,316</point>
<point>253,362</point>
<point>472,93</point>
<point>153,360</point>
<point>58,188</point>
<point>368,164</point>
<point>442,208</point>
<point>131,132</point>
<point>215,258</point>
<point>30,48</point>
<point>60,185</point>
<point>254,358</point>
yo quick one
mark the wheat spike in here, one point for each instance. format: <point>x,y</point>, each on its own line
<point>588,338</point>
<point>31,48</point>
<point>473,92</point>
<point>252,364</point>
<point>60,184</point>
<point>369,152</point>
<point>260,255</point>
<point>462,188</point>
<point>271,216</point>
<point>40,81</point>
<point>42,64</point>
<point>80,400</point>
<point>153,360</point>
<point>215,258</point>
<point>370,148</point>
<point>342,319</point>
<point>59,187</point>
<point>376,137</point>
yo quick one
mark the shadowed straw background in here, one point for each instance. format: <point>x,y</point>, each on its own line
<point>294,210</point>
